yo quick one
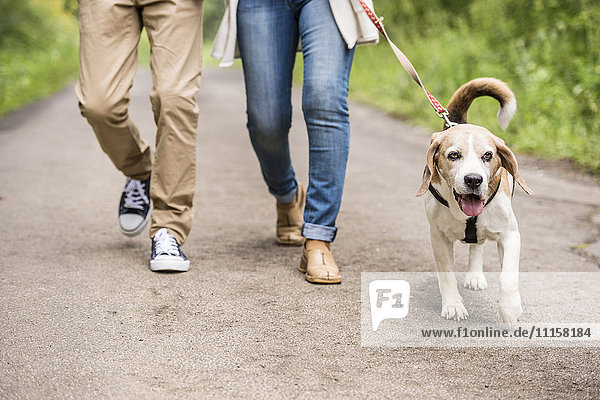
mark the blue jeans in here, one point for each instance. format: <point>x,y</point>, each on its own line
<point>268,34</point>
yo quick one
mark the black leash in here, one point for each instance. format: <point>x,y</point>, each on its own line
<point>471,226</point>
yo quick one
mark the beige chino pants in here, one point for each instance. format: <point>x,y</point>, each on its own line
<point>109,36</point>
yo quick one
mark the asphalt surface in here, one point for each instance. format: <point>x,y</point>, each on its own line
<point>82,316</point>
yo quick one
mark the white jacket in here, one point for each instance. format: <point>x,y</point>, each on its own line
<point>352,21</point>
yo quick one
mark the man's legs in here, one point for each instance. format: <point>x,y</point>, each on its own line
<point>109,35</point>
<point>110,31</point>
<point>175,33</point>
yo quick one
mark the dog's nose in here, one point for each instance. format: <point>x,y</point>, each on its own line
<point>473,180</point>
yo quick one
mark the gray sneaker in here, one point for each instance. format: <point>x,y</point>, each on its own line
<point>134,207</point>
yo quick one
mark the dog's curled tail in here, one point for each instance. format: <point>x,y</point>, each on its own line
<point>461,100</point>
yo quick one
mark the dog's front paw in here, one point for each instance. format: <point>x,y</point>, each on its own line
<point>454,309</point>
<point>510,308</point>
<point>475,281</point>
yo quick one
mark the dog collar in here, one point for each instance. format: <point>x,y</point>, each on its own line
<point>471,224</point>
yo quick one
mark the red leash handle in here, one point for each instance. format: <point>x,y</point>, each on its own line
<point>405,62</point>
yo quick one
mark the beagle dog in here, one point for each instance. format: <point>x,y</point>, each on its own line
<point>468,181</point>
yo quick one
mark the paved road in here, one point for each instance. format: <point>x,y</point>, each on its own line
<point>81,315</point>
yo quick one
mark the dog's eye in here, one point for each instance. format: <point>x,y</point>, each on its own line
<point>487,156</point>
<point>453,155</point>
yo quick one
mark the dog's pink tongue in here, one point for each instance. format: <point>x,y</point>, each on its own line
<point>471,205</point>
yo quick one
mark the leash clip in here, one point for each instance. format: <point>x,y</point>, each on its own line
<point>444,115</point>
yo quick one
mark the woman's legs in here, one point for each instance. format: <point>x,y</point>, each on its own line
<point>268,33</point>
<point>327,63</point>
<point>268,39</point>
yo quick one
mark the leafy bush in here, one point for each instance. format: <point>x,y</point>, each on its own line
<point>546,50</point>
<point>38,50</point>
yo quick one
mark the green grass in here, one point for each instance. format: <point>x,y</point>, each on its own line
<point>38,51</point>
<point>548,122</point>
<point>547,52</point>
<point>144,50</point>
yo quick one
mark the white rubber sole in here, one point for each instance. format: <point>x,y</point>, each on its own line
<point>137,230</point>
<point>170,265</point>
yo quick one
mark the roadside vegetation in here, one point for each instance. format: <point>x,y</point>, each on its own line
<point>38,50</point>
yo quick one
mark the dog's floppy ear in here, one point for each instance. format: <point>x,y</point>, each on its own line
<point>509,162</point>
<point>436,140</point>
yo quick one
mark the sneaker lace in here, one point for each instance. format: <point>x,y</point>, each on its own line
<point>135,195</point>
<point>165,243</point>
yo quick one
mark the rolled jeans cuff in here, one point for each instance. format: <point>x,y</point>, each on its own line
<point>289,197</point>
<point>319,232</point>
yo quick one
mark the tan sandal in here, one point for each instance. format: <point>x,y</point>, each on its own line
<point>319,266</point>
<point>289,220</point>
